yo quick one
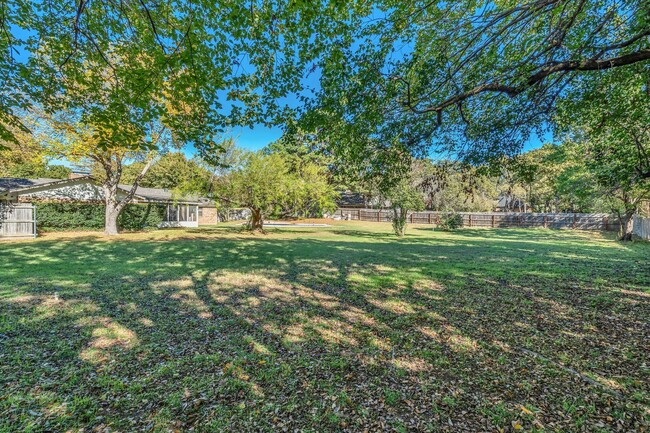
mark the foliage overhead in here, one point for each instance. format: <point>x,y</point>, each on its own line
<point>475,78</point>
<point>198,66</point>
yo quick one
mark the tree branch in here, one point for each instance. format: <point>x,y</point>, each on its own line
<point>77,30</point>
<point>153,26</point>
<point>136,183</point>
<point>545,71</point>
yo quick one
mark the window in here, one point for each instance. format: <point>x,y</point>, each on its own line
<point>191,213</point>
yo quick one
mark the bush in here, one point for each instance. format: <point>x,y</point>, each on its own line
<point>141,216</point>
<point>69,216</point>
<point>450,221</point>
<point>90,216</point>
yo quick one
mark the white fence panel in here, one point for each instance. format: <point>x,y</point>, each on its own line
<point>642,227</point>
<point>18,221</point>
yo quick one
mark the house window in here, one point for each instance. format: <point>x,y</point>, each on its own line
<point>200,212</point>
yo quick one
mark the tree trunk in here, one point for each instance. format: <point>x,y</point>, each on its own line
<point>626,226</point>
<point>113,209</point>
<point>113,170</point>
<point>257,221</point>
<point>110,222</point>
<point>399,221</point>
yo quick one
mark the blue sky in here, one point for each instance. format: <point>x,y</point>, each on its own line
<point>257,137</point>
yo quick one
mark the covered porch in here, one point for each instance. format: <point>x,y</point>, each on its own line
<point>181,215</point>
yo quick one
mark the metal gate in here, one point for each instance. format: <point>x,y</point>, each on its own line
<point>17,221</point>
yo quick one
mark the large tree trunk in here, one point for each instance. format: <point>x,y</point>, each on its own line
<point>113,169</point>
<point>626,226</point>
<point>257,221</point>
<point>110,222</point>
<point>113,209</point>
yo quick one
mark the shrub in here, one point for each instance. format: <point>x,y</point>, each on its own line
<point>90,216</point>
<point>141,216</point>
<point>69,216</point>
<point>404,197</point>
<point>450,221</point>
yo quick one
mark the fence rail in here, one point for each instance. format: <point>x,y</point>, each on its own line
<point>578,221</point>
<point>18,221</point>
<point>642,227</point>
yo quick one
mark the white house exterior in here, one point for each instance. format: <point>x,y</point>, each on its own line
<point>181,211</point>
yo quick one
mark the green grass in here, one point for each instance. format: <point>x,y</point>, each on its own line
<point>343,328</point>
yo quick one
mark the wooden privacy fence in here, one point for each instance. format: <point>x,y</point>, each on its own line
<point>18,221</point>
<point>642,227</point>
<point>578,221</point>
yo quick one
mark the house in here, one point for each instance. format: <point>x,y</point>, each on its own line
<point>349,199</point>
<point>357,200</point>
<point>510,203</point>
<point>188,211</point>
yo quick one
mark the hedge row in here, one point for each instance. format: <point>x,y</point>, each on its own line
<point>90,216</point>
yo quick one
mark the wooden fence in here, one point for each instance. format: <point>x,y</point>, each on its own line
<point>18,221</point>
<point>642,227</point>
<point>578,221</point>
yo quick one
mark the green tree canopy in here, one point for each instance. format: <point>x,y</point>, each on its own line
<point>266,185</point>
<point>120,65</point>
<point>470,78</point>
<point>27,157</point>
<point>404,197</point>
<point>611,128</point>
<point>172,171</point>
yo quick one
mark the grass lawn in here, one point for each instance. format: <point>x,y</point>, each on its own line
<point>343,328</point>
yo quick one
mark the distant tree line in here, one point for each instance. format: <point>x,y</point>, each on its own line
<point>295,179</point>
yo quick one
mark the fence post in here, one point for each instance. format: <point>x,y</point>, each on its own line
<point>492,221</point>
<point>606,223</point>
<point>470,220</point>
<point>411,217</point>
<point>359,214</point>
<point>545,221</point>
<point>34,215</point>
<point>379,216</point>
<point>574,221</point>
<point>429,217</point>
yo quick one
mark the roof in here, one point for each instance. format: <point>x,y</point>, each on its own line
<point>350,199</point>
<point>160,194</point>
<point>506,201</point>
<point>10,184</point>
<point>14,183</point>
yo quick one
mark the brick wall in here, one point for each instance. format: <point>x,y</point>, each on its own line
<point>208,215</point>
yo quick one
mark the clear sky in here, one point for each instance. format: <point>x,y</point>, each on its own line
<point>257,137</point>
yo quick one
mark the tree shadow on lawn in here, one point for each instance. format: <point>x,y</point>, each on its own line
<point>262,334</point>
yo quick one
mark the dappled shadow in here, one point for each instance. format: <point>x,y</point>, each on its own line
<point>355,330</point>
